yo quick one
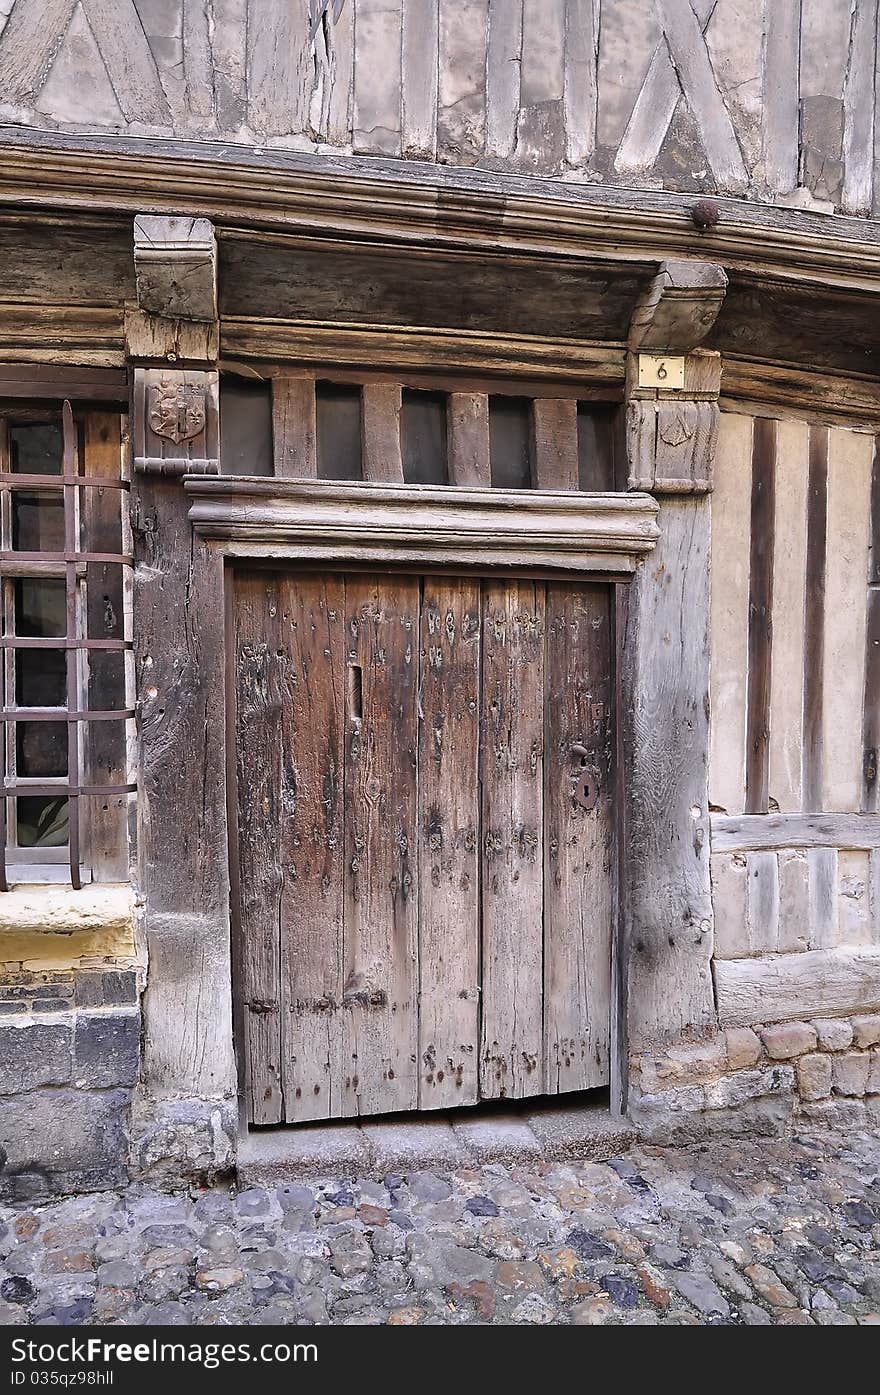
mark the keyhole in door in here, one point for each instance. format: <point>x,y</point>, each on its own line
<point>355,692</point>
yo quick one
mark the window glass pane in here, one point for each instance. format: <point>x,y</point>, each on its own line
<point>40,749</point>
<point>36,448</point>
<point>40,678</point>
<point>42,821</point>
<point>423,437</point>
<point>509,442</point>
<point>40,607</point>
<point>37,522</point>
<point>339,432</point>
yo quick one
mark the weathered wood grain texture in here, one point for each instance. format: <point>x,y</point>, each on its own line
<point>183,868</point>
<point>196,25</point>
<point>512,1048</point>
<point>763,904</point>
<point>679,307</point>
<point>554,443</point>
<point>429,524</point>
<point>377,39</point>
<point>380,433</point>
<point>760,657</point>
<point>294,428</point>
<point>577,842</point>
<point>419,78</point>
<point>871,717</point>
<point>105,744</point>
<point>781,59</point>
<point>331,112</point>
<point>666,700</point>
<point>580,83</point>
<point>381,854</point>
<point>822,873</point>
<point>671,446</point>
<point>279,65</point>
<point>730,899</point>
<point>503,63</point>
<point>849,489</point>
<point>467,433</point>
<point>655,104</point>
<point>259,707</point>
<point>159,339</point>
<point>311,652</point>
<point>730,606</point>
<point>756,832</point>
<point>777,987</point>
<point>175,262</point>
<point>449,844</point>
<point>858,109</point>
<point>794,901</point>
<point>814,617</point>
<point>785,783</point>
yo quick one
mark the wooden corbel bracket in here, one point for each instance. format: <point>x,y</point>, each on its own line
<point>672,385</point>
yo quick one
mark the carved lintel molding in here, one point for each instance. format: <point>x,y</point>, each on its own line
<point>547,530</point>
<point>176,421</point>
<point>679,307</point>
<point>175,262</point>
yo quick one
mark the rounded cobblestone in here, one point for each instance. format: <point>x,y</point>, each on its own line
<point>735,1231</point>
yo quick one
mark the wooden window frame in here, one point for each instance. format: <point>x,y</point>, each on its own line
<point>69,565</point>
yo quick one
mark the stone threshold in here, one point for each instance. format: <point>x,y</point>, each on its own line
<point>516,1136</point>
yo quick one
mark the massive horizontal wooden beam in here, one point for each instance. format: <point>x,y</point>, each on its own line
<point>548,531</point>
<point>769,832</point>
<point>775,988</point>
<point>428,205</point>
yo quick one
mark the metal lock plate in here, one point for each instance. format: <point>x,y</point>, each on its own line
<point>586,790</point>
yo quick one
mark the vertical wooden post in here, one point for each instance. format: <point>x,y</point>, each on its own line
<point>179,665</point>
<point>664,984</point>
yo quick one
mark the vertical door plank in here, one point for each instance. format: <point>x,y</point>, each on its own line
<point>511,1050</point>
<point>730,612</point>
<point>554,443</point>
<point>449,820</point>
<point>294,429</point>
<point>258,748</point>
<point>789,576</point>
<point>578,843</point>
<point>467,430</point>
<point>311,650</point>
<point>380,428</point>
<point>381,901</point>
<point>105,747</point>
<point>850,459</point>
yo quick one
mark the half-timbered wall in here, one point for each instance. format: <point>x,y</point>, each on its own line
<point>794,698</point>
<point>756,97</point>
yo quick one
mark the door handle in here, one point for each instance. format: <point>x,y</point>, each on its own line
<point>580,751</point>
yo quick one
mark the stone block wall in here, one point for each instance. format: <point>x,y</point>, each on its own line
<point>70,1039</point>
<point>69,1060</point>
<point>758,1079</point>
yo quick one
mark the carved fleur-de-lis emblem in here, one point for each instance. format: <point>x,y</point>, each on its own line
<point>177,411</point>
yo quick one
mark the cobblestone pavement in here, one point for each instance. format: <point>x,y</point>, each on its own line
<point>748,1231</point>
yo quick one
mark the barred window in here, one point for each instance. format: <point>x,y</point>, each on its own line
<point>67,682</point>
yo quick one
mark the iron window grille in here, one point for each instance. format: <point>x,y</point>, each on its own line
<point>38,738</point>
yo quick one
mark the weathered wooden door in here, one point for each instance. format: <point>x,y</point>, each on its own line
<point>425,840</point>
